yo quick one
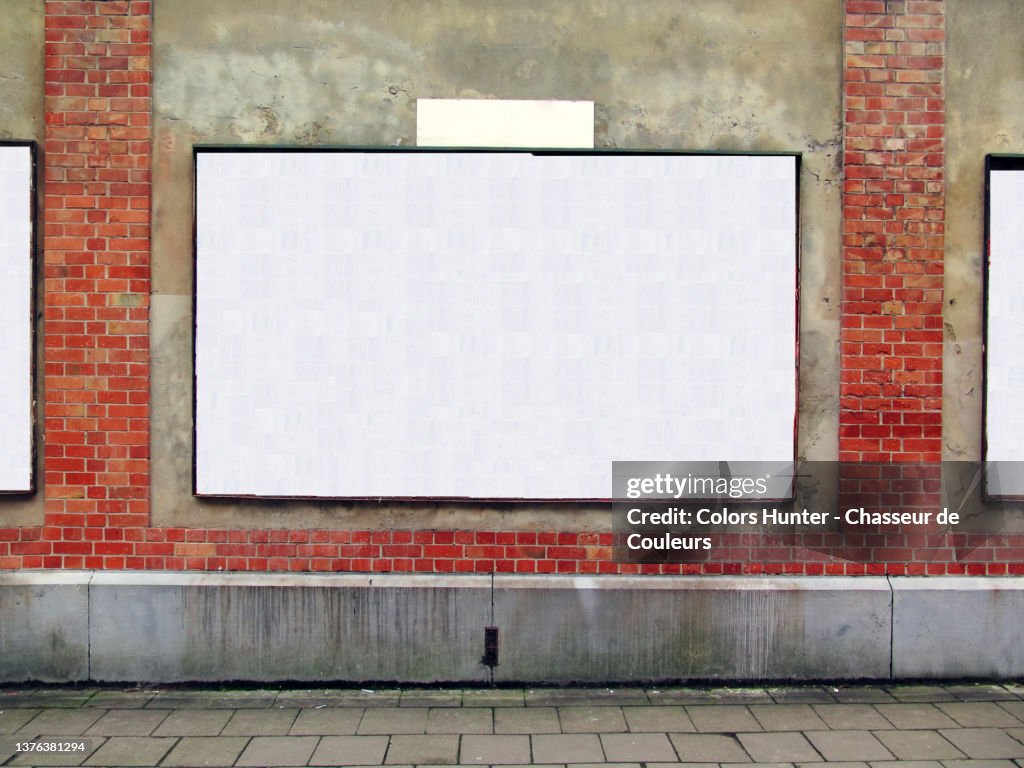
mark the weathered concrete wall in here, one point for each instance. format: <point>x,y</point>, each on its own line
<point>680,74</point>
<point>930,637</point>
<point>44,626</point>
<point>21,119</point>
<point>985,114</point>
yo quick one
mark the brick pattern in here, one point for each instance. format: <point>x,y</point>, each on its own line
<point>404,551</point>
<point>893,231</point>
<point>96,268</point>
<point>97,255</point>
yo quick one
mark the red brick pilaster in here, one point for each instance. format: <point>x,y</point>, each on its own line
<point>893,224</point>
<point>96,221</point>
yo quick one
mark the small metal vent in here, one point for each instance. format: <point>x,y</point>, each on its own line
<point>490,657</point>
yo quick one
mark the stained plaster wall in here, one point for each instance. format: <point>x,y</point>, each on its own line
<point>985,114</point>
<point>677,74</point>
<point>21,119</point>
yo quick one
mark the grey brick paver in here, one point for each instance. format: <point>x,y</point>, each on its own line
<point>391,720</point>
<point>984,743</point>
<point>526,720</point>
<point>131,750</point>
<point>194,722</point>
<point>915,716</point>
<point>206,751</point>
<point>787,717</point>
<point>278,750</point>
<point>128,722</point>
<point>723,719</point>
<point>591,719</point>
<point>848,745</point>
<point>851,717</point>
<point>61,722</point>
<point>777,747</point>
<point>658,719</point>
<point>708,748</point>
<point>980,714</point>
<point>494,750</point>
<point>637,747</point>
<point>467,720</point>
<point>918,745</point>
<point>439,749</point>
<point>567,748</point>
<point>350,750</point>
<point>329,721</point>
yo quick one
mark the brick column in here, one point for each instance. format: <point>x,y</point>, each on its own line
<point>97,272</point>
<point>893,241</point>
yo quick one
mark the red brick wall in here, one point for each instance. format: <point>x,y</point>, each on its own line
<point>893,241</point>
<point>96,216</point>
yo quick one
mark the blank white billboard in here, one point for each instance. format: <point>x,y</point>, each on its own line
<point>15,318</point>
<point>1004,348</point>
<point>492,325</point>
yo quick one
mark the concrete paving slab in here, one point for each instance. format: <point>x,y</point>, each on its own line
<point>494,750</point>
<point>466,720</point>
<point>526,720</point>
<point>851,717</point>
<point>1015,708</point>
<point>658,719</point>
<point>968,763</point>
<point>430,698</point>
<point>350,750</point>
<point>390,720</point>
<point>278,751</point>
<point>708,748</point>
<point>47,698</point>
<point>591,719</point>
<point>329,721</point>
<point>801,695</point>
<point>260,722</point>
<point>788,717</point>
<point>863,695</point>
<point>637,747</point>
<point>920,693</point>
<point>131,751</point>
<point>984,743</point>
<point>701,696</point>
<point>588,697</point>
<point>61,722</point>
<point>494,697</point>
<point>13,719</point>
<point>981,714</point>
<point>567,748</point>
<point>438,749</point>
<point>915,716</point>
<point>981,692</point>
<point>778,747</point>
<point>194,751</point>
<point>122,699</point>
<point>194,722</point>
<point>849,745</point>
<point>728,718</point>
<point>919,745</point>
<point>128,722</point>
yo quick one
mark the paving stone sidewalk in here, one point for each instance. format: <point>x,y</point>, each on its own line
<point>912,726</point>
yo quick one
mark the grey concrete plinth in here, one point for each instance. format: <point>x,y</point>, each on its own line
<point>588,629</point>
<point>954,626</point>
<point>44,619</point>
<point>177,627</point>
